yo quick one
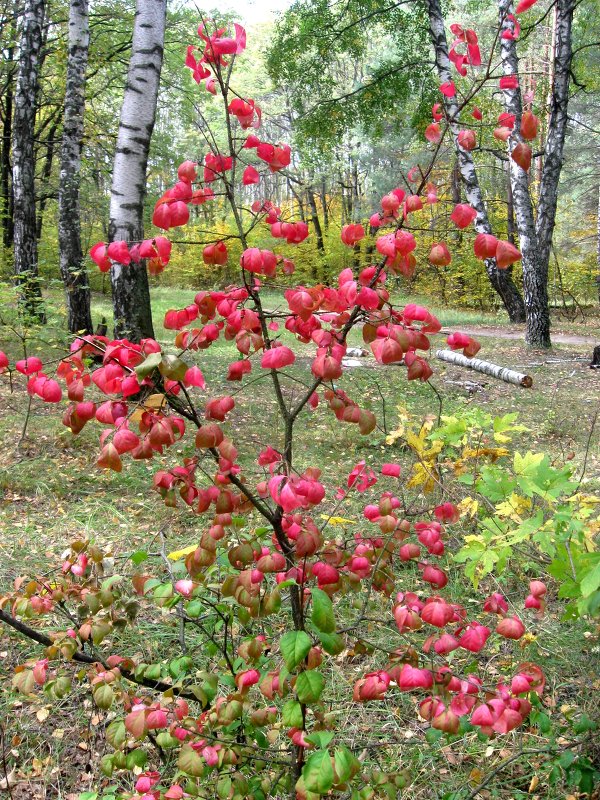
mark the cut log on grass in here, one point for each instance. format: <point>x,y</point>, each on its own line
<point>502,373</point>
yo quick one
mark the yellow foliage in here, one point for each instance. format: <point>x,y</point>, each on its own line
<point>338,520</point>
<point>177,554</point>
<point>513,507</point>
<point>468,507</point>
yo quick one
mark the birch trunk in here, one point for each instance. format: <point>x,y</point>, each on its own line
<point>131,294</point>
<point>535,237</point>
<point>535,267</point>
<point>23,172</point>
<point>557,126</point>
<point>501,280</point>
<point>72,264</point>
<point>5,171</point>
<point>486,367</point>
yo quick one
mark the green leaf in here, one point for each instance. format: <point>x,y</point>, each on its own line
<point>224,785</point>
<point>139,556</point>
<point>566,759</point>
<point>322,611</point>
<point>332,643</point>
<point>116,734</point>
<point>346,764</point>
<point>136,758</point>
<point>309,686</point>
<point>148,365</point>
<point>433,735</point>
<point>320,739</point>
<point>294,648</point>
<point>194,608</point>
<point>318,772</point>
<point>107,767</point>
<point>291,714</point>
<point>529,464</point>
<point>543,722</point>
<point>103,696</point>
<point>173,368</point>
<point>191,762</point>
<point>585,724</point>
<point>591,581</point>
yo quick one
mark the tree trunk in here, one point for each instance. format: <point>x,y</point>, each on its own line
<point>510,210</point>
<point>5,167</point>
<point>557,128</point>
<point>598,244</point>
<point>23,173</point>
<point>45,195</point>
<point>72,264</point>
<point>501,280</point>
<point>131,294</point>
<point>324,204</point>
<point>535,266</point>
<point>298,200</point>
<point>312,202</point>
<point>486,367</point>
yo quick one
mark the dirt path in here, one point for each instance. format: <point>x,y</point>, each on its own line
<point>518,333</point>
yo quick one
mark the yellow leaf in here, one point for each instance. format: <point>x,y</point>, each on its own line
<point>493,453</point>
<point>423,476</point>
<point>475,776</point>
<point>42,714</point>
<point>403,417</point>
<point>155,401</point>
<point>584,499</point>
<point>468,507</point>
<point>513,507</point>
<point>416,442</point>
<point>534,784</point>
<point>338,520</point>
<point>177,554</point>
<point>393,436</point>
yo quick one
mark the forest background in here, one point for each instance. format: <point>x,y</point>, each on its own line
<point>352,100</point>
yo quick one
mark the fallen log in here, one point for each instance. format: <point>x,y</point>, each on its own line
<point>493,370</point>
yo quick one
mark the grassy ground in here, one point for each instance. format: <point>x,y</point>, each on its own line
<point>52,493</point>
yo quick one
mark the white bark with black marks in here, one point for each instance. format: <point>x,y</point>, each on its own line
<point>6,194</point>
<point>486,367</point>
<point>535,271</point>
<point>23,171</point>
<point>131,295</point>
<point>501,280</point>
<point>72,265</point>
<point>557,126</point>
<point>535,235</point>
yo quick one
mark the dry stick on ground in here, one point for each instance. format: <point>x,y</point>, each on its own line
<point>502,373</point>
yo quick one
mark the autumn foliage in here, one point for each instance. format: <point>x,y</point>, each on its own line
<point>269,569</point>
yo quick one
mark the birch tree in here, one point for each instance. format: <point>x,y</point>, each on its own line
<point>72,265</point>
<point>535,233</point>
<point>131,296</point>
<point>501,280</point>
<point>23,170</point>
<point>9,70</point>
